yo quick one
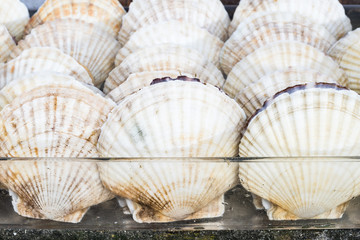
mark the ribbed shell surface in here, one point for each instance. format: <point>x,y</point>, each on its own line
<point>6,44</point>
<point>329,13</point>
<point>280,56</point>
<point>87,43</point>
<point>162,58</point>
<point>105,13</point>
<point>176,32</point>
<point>263,28</point>
<point>208,14</point>
<point>14,15</point>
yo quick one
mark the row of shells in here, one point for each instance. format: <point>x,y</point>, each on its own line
<point>278,71</point>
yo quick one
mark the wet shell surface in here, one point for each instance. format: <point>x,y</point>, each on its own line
<point>42,59</point>
<point>330,14</point>
<point>263,28</point>
<point>346,53</point>
<point>87,43</point>
<point>59,190</point>
<point>176,32</point>
<point>210,15</point>
<point>302,189</point>
<point>137,81</point>
<point>106,13</point>
<point>163,58</point>
<point>280,56</point>
<point>6,44</point>
<point>174,118</point>
<point>14,15</point>
<point>254,96</point>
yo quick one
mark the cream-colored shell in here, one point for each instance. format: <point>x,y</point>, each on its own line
<point>56,189</point>
<point>175,32</point>
<point>280,56</point>
<point>137,81</point>
<point>163,58</point>
<point>329,13</point>
<point>174,118</point>
<point>105,13</point>
<point>42,59</point>
<point>254,96</point>
<point>346,53</point>
<point>6,44</point>
<point>302,188</point>
<point>14,15</point>
<point>263,28</point>
<point>87,43</point>
<point>208,14</point>
<point>26,83</point>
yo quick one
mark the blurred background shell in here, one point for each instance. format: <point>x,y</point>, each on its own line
<point>6,44</point>
<point>14,15</point>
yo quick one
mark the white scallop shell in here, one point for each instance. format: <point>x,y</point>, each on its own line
<point>87,43</point>
<point>208,14</point>
<point>42,59</point>
<point>171,119</point>
<point>175,32</point>
<point>254,96</point>
<point>280,56</point>
<point>6,43</point>
<point>59,190</point>
<point>263,28</point>
<point>329,13</point>
<point>14,15</point>
<point>106,13</point>
<point>302,188</point>
<point>26,83</point>
<point>137,81</point>
<point>162,58</point>
<point>346,53</point>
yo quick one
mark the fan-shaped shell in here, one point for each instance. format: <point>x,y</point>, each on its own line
<point>171,119</point>
<point>346,53</point>
<point>59,190</point>
<point>254,96</point>
<point>162,58</point>
<point>42,59</point>
<point>137,81</point>
<point>263,28</point>
<point>106,13</point>
<point>6,44</point>
<point>210,15</point>
<point>14,15</point>
<point>280,56</point>
<point>303,188</point>
<point>176,32</point>
<point>87,43</point>
<point>330,14</point>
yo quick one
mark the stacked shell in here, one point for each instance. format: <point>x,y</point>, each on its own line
<point>83,29</point>
<point>275,46</point>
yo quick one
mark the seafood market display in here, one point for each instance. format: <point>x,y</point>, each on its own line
<point>168,90</point>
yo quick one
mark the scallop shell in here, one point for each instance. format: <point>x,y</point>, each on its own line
<point>59,190</point>
<point>106,13</point>
<point>87,43</point>
<point>26,83</point>
<point>203,122</point>
<point>6,44</point>
<point>42,59</point>
<point>280,56</point>
<point>303,188</point>
<point>163,58</point>
<point>264,28</point>
<point>329,13</point>
<point>176,32</point>
<point>346,53</point>
<point>254,96</point>
<point>14,15</point>
<point>208,14</point>
<point>137,81</point>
